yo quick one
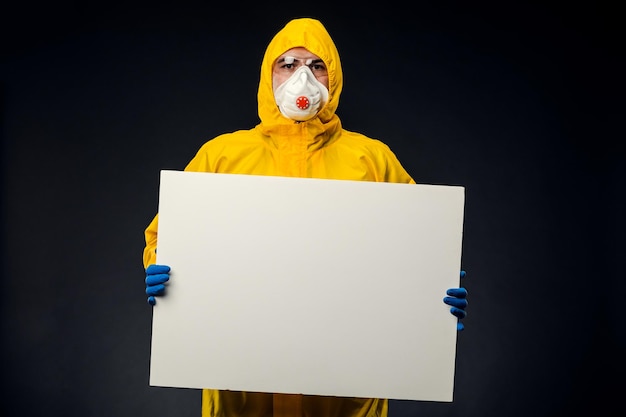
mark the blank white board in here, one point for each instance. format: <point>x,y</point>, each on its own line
<point>299,285</point>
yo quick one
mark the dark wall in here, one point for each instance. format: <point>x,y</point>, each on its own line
<point>518,103</point>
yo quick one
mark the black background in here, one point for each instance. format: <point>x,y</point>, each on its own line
<point>520,103</point>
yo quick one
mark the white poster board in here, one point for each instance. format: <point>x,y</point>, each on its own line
<point>297,285</point>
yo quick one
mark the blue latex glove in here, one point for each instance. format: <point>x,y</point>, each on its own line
<point>156,277</point>
<point>457,299</point>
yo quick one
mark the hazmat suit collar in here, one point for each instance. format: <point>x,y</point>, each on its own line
<point>310,34</point>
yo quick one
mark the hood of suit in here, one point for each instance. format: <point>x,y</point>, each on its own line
<point>312,35</point>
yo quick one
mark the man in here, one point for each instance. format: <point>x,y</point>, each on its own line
<point>299,135</point>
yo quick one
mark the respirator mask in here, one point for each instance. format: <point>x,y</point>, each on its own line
<point>301,96</point>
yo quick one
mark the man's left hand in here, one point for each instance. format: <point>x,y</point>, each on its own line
<point>457,300</point>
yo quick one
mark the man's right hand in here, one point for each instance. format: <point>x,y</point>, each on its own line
<point>156,277</point>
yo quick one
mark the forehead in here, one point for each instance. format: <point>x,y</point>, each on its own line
<point>299,53</point>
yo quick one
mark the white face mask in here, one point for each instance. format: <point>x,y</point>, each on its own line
<point>301,96</point>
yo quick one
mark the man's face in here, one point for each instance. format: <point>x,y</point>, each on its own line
<point>290,61</point>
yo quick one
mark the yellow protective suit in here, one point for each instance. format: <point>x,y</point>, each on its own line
<point>318,148</point>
